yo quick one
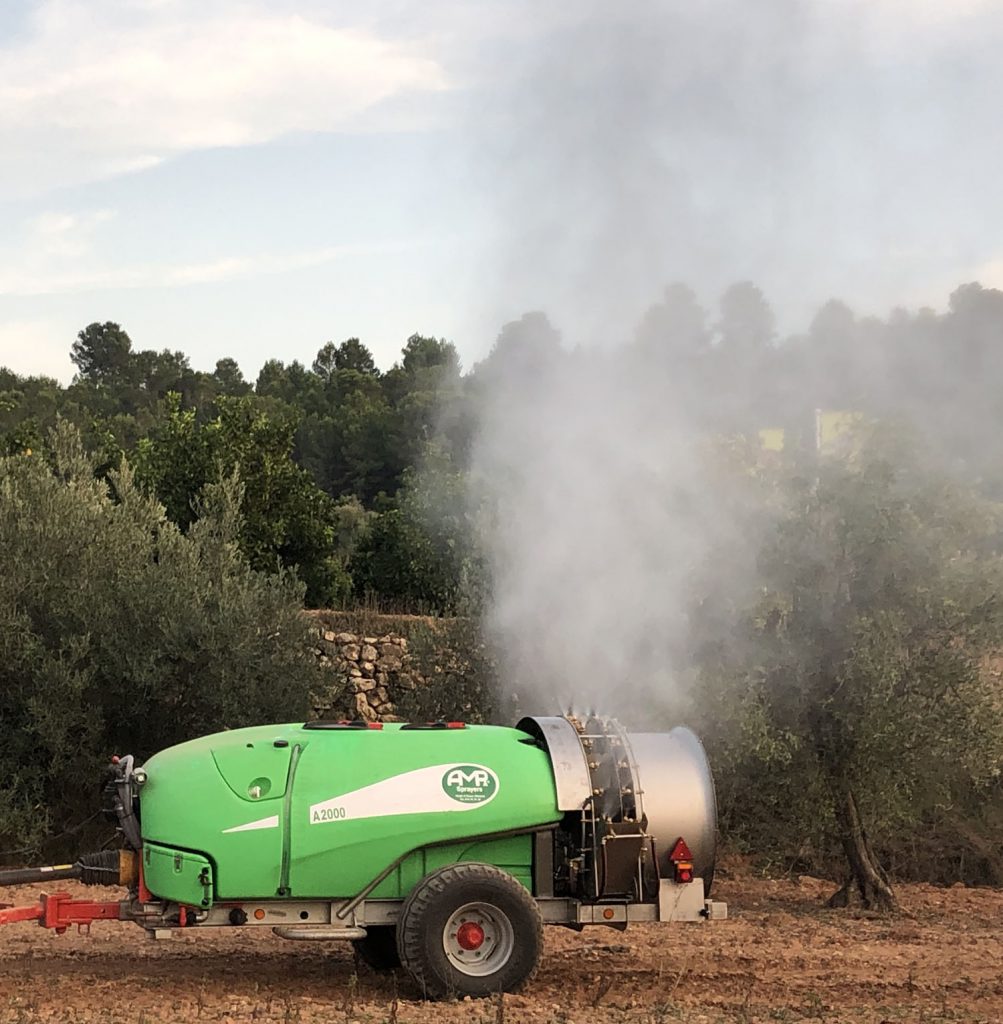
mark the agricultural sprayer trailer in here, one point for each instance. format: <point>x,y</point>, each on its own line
<point>441,847</point>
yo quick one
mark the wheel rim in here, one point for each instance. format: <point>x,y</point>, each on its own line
<point>478,939</point>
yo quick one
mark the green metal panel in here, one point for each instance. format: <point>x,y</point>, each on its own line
<point>514,855</point>
<point>342,805</point>
<point>187,803</point>
<point>178,875</point>
<point>362,799</point>
<point>254,771</point>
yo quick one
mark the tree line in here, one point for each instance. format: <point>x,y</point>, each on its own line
<point>329,454</point>
<point>847,684</point>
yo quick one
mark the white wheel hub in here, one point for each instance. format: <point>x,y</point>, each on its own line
<point>478,939</point>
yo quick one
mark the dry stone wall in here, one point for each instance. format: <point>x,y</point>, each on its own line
<point>369,675</point>
<point>394,667</point>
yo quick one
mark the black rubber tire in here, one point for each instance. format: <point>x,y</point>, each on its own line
<point>378,950</point>
<point>429,907</point>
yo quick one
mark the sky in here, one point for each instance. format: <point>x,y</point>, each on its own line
<point>254,178</point>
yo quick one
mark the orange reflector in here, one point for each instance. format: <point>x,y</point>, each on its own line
<point>375,725</point>
<point>259,915</point>
<point>608,914</point>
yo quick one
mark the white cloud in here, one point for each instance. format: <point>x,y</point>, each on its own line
<point>36,274</point>
<point>99,87</point>
<point>921,15</point>
<point>55,235</point>
<point>49,246</point>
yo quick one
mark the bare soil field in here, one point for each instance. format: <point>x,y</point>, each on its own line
<point>781,957</point>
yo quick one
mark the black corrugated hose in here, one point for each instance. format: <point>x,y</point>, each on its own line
<point>91,868</point>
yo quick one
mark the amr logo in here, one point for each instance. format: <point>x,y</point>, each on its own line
<point>458,777</point>
<point>470,783</point>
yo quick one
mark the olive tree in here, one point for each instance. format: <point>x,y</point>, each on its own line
<point>119,632</point>
<point>854,672</point>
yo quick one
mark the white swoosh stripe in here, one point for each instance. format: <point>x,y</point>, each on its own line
<point>416,792</point>
<point>254,826</point>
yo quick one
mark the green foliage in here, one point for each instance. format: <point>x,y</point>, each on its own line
<point>26,404</point>
<point>396,563</point>
<point>858,663</point>
<point>349,355</point>
<point>228,378</point>
<point>101,352</point>
<point>287,520</point>
<point>345,437</point>
<point>423,553</point>
<point>424,390</point>
<point>119,632</point>
<point>340,430</point>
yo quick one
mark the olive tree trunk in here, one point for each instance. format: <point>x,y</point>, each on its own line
<point>868,885</point>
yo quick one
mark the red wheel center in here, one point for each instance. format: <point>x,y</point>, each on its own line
<point>470,935</point>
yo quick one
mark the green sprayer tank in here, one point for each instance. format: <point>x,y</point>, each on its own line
<point>439,847</point>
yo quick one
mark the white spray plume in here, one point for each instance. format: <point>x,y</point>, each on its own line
<point>640,144</point>
<point>605,506</point>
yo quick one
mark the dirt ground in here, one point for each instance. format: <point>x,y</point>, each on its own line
<point>780,958</point>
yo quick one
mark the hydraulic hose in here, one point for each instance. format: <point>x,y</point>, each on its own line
<point>107,867</point>
<point>25,876</point>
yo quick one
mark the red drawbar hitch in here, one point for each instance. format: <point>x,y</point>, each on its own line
<point>59,910</point>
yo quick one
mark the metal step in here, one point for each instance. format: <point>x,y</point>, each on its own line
<point>301,932</point>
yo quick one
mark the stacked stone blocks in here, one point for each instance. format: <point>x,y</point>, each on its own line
<point>370,673</point>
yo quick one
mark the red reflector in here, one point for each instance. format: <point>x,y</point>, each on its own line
<point>375,725</point>
<point>680,851</point>
<point>684,872</point>
<point>456,725</point>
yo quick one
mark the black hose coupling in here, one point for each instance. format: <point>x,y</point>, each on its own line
<point>101,868</point>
